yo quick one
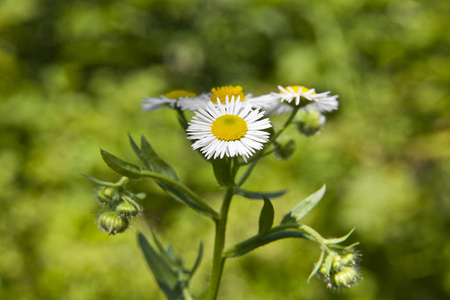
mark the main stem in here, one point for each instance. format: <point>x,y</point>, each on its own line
<point>219,245</point>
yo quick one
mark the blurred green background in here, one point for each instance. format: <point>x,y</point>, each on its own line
<point>72,76</point>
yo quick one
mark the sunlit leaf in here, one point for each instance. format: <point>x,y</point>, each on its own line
<point>120,166</point>
<point>304,207</point>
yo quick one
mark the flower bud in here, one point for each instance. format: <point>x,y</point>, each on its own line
<point>345,277</point>
<point>349,259</point>
<point>127,209</point>
<point>112,223</point>
<point>309,121</point>
<point>105,194</point>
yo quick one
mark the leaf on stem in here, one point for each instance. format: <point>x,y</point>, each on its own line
<point>151,160</point>
<point>304,207</point>
<point>198,260</point>
<point>120,166</point>
<point>222,171</point>
<point>266,217</point>
<point>258,241</point>
<point>99,182</point>
<point>164,274</point>
<point>339,240</point>
<point>258,195</point>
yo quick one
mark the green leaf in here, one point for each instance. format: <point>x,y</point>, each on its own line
<point>198,260</point>
<point>328,263</point>
<point>318,265</point>
<point>339,240</point>
<point>222,171</point>
<point>266,216</point>
<point>156,163</point>
<point>304,207</point>
<point>258,195</point>
<point>165,276</point>
<point>120,166</point>
<point>99,182</point>
<point>258,241</point>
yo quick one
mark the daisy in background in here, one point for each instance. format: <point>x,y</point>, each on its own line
<point>290,96</point>
<point>171,99</point>
<point>232,128</point>
<point>217,94</point>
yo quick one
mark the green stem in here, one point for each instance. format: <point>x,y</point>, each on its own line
<point>219,244</point>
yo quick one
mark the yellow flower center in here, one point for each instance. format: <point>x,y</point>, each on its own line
<point>224,91</point>
<point>229,128</point>
<point>298,89</point>
<point>177,94</point>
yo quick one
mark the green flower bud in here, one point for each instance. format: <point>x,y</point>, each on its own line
<point>349,259</point>
<point>309,121</point>
<point>345,277</point>
<point>105,194</point>
<point>112,223</point>
<point>127,210</point>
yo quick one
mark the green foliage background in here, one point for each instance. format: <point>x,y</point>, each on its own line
<point>72,76</point>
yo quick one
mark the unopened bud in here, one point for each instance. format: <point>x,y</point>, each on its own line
<point>345,277</point>
<point>309,121</point>
<point>105,194</point>
<point>349,259</point>
<point>127,210</point>
<point>112,223</point>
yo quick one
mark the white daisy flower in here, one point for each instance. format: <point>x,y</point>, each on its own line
<point>169,99</point>
<point>322,101</point>
<point>230,129</point>
<point>217,94</point>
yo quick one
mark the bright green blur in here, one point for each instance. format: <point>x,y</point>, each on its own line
<point>72,77</point>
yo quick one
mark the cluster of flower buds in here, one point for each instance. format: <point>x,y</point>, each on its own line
<point>118,207</point>
<point>340,270</point>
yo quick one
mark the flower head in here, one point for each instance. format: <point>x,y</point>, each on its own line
<point>220,94</point>
<point>290,96</point>
<point>217,94</point>
<point>230,129</point>
<point>171,99</point>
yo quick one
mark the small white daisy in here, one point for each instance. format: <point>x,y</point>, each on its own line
<point>217,94</point>
<point>169,99</point>
<point>230,129</point>
<point>322,101</point>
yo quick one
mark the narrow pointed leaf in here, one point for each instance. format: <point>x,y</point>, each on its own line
<point>164,275</point>
<point>163,252</point>
<point>318,265</point>
<point>156,163</point>
<point>120,166</point>
<point>258,241</point>
<point>259,195</point>
<point>99,182</point>
<point>339,240</point>
<point>304,207</point>
<point>266,216</point>
<point>198,260</point>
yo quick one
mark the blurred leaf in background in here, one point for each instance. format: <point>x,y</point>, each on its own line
<point>72,76</point>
